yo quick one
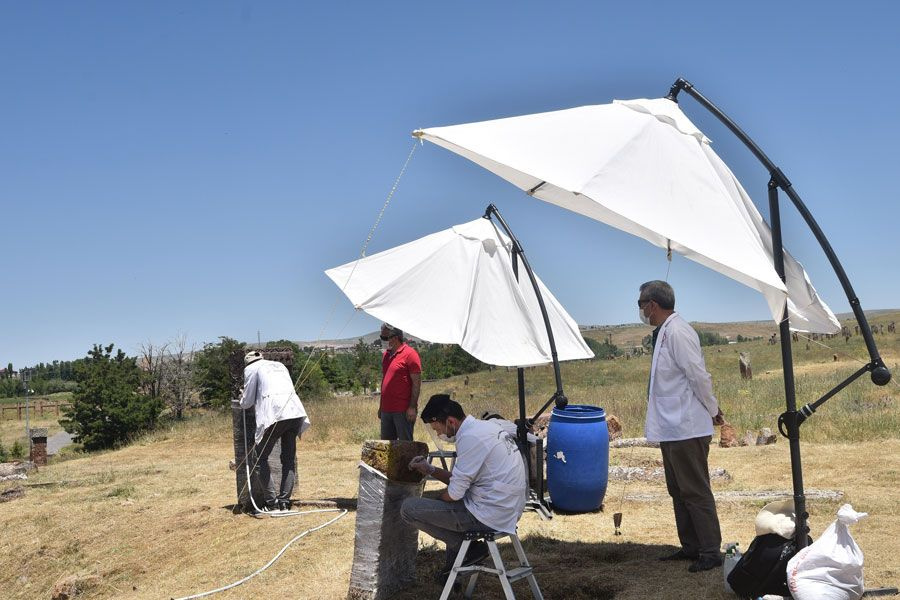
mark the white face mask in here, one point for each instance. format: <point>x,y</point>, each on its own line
<point>644,318</point>
<point>448,438</point>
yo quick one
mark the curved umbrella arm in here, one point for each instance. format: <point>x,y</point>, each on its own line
<point>519,253</point>
<point>879,372</point>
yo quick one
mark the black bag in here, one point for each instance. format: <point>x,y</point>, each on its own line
<point>763,567</point>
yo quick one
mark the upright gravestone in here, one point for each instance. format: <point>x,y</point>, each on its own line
<point>384,552</point>
<point>38,446</point>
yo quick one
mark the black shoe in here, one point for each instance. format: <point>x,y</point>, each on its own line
<point>705,563</point>
<point>680,555</point>
<point>477,552</point>
<point>284,505</point>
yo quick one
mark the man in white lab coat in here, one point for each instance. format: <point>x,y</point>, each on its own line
<point>681,411</point>
<point>279,416</point>
<point>485,491</point>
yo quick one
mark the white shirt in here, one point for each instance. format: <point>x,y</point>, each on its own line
<point>681,403</point>
<point>268,385</point>
<point>489,474</point>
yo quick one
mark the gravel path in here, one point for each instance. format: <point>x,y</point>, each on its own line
<point>58,441</point>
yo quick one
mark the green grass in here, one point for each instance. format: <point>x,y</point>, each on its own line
<point>862,411</point>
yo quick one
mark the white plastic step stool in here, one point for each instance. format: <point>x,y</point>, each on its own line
<point>507,576</point>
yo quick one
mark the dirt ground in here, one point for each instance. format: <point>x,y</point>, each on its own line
<point>155,520</point>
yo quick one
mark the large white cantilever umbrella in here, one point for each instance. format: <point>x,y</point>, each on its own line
<point>458,286</point>
<point>643,167</point>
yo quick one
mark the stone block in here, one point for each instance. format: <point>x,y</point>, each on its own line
<point>391,458</point>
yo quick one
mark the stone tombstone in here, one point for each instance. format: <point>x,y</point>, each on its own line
<point>245,421</point>
<point>746,368</point>
<point>385,548</point>
<point>38,446</point>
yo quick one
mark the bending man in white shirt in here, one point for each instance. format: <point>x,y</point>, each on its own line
<point>279,416</point>
<point>681,411</point>
<point>485,491</point>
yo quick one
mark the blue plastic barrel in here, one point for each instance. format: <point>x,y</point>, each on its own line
<point>577,458</point>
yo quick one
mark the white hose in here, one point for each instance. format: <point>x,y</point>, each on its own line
<point>276,557</point>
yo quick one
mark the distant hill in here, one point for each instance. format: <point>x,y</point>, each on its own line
<point>630,334</point>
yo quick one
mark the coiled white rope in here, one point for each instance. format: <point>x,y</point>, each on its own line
<point>276,557</point>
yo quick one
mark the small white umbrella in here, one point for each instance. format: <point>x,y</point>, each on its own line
<point>457,286</point>
<point>643,167</point>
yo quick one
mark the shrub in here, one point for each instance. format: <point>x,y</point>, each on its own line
<point>17,450</point>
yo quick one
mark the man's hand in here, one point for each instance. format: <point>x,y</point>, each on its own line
<point>421,465</point>
<point>411,413</point>
<point>719,419</point>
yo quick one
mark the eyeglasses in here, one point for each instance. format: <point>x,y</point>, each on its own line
<point>641,303</point>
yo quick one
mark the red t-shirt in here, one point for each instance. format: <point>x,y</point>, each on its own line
<point>396,383</point>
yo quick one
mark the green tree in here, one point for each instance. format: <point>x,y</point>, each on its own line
<point>602,350</point>
<point>107,408</point>
<point>710,338</point>
<point>9,370</point>
<point>212,370</point>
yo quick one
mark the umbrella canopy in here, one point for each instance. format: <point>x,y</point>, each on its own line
<point>643,167</point>
<point>457,286</point>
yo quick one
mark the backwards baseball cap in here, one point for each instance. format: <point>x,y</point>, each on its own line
<point>252,357</point>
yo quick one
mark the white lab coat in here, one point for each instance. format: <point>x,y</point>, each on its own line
<point>489,474</point>
<point>268,386</point>
<point>681,404</point>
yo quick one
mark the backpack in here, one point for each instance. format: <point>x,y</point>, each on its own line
<point>763,567</point>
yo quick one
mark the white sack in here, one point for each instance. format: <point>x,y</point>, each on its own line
<point>832,567</point>
<point>778,518</point>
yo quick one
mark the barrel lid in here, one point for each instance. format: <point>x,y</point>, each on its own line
<point>580,411</point>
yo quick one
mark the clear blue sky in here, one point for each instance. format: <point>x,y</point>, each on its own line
<point>192,167</point>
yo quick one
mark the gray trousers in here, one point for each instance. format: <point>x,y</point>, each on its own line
<point>445,521</point>
<point>286,431</point>
<point>687,479</point>
<point>395,426</point>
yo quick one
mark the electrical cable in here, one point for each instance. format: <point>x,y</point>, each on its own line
<point>276,557</point>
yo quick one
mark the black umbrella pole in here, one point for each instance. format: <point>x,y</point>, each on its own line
<point>518,251</point>
<point>792,417</point>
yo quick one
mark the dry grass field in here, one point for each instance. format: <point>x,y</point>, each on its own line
<point>155,519</point>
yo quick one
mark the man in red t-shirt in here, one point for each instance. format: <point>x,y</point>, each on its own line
<point>401,371</point>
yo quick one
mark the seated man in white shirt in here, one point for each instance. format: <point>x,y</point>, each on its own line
<point>280,416</point>
<point>485,491</point>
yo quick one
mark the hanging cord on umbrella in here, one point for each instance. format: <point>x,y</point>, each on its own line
<point>617,517</point>
<point>668,258</point>
<point>276,557</point>
<point>303,376</point>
